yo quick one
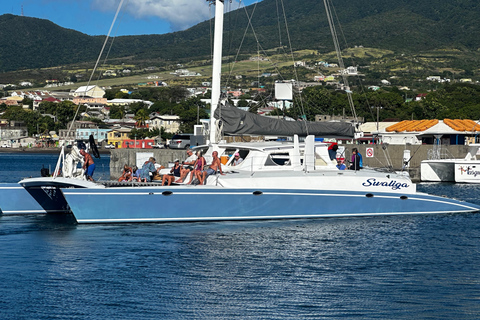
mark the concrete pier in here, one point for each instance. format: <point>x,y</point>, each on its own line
<point>395,155</point>
<point>120,157</point>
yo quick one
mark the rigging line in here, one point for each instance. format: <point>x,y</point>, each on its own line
<point>339,56</point>
<point>408,161</point>
<point>360,84</point>
<point>249,19</point>
<point>279,29</point>
<point>249,24</point>
<point>111,43</point>
<point>96,64</point>
<point>293,60</point>
<point>211,38</point>
<point>232,65</point>
<point>387,155</point>
<point>231,32</point>
<point>258,43</point>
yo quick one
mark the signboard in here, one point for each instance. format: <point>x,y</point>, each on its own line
<point>369,153</point>
<point>283,90</point>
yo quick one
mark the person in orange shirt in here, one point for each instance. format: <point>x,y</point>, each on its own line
<point>88,165</point>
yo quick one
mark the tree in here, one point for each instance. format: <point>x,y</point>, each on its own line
<point>141,117</point>
<point>117,112</point>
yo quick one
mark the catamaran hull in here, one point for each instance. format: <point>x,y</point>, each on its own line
<point>450,170</point>
<point>467,171</point>
<point>119,205</point>
<point>15,200</point>
<point>437,170</point>
<point>45,191</point>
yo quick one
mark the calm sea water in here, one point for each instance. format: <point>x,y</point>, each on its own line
<point>414,267</point>
<point>16,166</point>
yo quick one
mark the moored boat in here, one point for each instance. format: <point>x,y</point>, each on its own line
<point>15,200</point>
<point>274,181</point>
<point>466,170</point>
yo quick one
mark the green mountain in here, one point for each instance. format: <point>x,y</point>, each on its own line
<point>399,25</point>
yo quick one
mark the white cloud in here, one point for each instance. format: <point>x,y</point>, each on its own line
<point>180,14</point>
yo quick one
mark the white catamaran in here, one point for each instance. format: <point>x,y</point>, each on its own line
<point>276,180</point>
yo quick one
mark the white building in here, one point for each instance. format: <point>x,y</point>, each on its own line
<point>89,91</point>
<point>170,123</point>
<point>127,102</point>
<point>351,71</point>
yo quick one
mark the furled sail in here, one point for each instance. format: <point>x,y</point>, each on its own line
<point>239,122</point>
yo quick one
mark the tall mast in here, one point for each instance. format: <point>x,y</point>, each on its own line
<point>340,59</point>
<point>217,67</point>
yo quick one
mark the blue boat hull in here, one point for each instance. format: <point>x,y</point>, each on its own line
<point>14,199</point>
<point>157,204</point>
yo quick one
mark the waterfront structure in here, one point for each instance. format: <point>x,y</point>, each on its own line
<point>127,102</point>
<point>98,134</point>
<point>170,123</point>
<point>117,136</point>
<point>447,132</point>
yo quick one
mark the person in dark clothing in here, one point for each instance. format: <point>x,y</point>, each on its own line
<point>174,173</point>
<point>332,152</point>
<point>355,161</point>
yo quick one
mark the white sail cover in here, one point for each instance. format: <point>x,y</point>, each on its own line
<point>239,122</point>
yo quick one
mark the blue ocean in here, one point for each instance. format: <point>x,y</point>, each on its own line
<point>410,267</point>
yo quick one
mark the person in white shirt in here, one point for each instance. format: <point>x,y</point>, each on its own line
<point>187,165</point>
<point>237,160</point>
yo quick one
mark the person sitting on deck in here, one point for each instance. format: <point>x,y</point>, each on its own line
<point>341,165</point>
<point>136,173</point>
<point>88,165</point>
<point>237,160</point>
<point>148,167</point>
<point>174,172</point>
<point>126,174</point>
<point>215,167</point>
<point>198,168</point>
<point>187,165</point>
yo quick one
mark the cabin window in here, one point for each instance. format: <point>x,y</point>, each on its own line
<point>230,152</point>
<point>278,159</point>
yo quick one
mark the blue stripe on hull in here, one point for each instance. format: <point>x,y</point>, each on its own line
<point>197,204</point>
<point>14,199</point>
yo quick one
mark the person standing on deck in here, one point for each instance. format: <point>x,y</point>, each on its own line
<point>355,161</point>
<point>88,165</point>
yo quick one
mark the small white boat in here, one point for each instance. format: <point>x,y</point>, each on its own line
<point>466,170</point>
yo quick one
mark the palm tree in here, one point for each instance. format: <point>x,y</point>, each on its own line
<point>141,117</point>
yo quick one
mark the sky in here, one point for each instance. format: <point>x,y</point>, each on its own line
<point>94,17</point>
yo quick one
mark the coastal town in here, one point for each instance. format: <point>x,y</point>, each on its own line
<point>129,118</point>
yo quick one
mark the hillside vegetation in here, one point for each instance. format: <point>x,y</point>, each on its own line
<point>401,26</point>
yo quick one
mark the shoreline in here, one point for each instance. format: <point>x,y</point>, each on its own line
<point>40,150</point>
